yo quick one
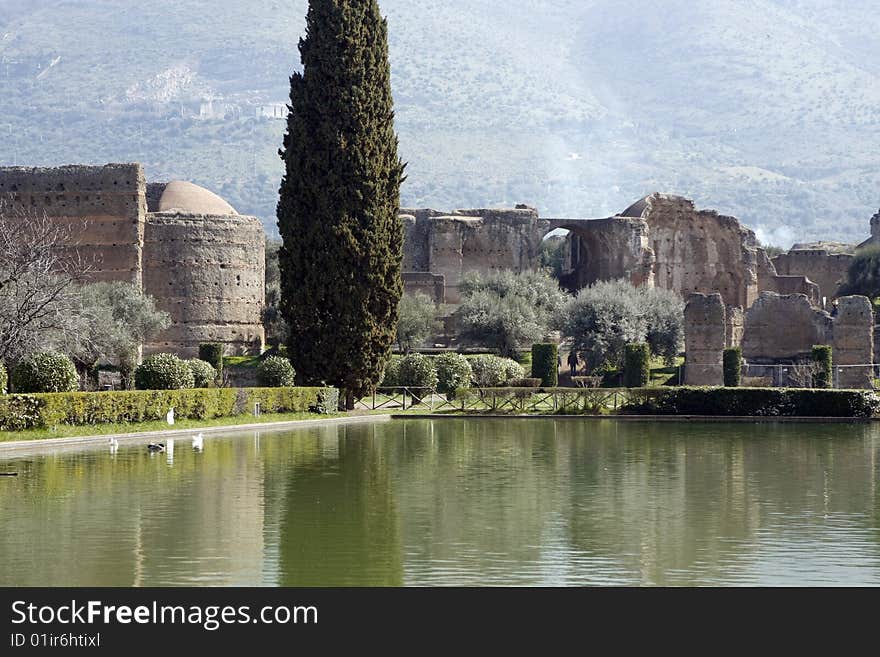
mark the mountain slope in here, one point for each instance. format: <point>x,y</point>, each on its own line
<point>766,109</point>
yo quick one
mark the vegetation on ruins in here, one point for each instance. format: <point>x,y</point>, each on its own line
<point>863,276</point>
<point>204,374</point>
<point>340,263</point>
<point>276,372</point>
<point>605,317</point>
<point>163,372</point>
<point>45,371</point>
<point>417,321</point>
<point>508,311</point>
<point>732,361</point>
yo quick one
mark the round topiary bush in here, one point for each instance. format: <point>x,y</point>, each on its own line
<point>3,379</point>
<point>511,370</point>
<point>453,372</point>
<point>417,371</point>
<point>276,372</point>
<point>494,371</point>
<point>163,372</point>
<point>391,377</point>
<point>204,374</point>
<point>45,372</point>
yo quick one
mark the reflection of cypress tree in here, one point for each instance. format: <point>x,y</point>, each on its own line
<point>340,525</point>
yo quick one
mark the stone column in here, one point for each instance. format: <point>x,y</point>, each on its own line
<point>853,342</point>
<point>704,337</point>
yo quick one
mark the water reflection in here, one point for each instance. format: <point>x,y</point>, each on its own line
<point>455,502</point>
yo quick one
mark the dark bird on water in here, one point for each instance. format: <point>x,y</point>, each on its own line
<point>156,447</point>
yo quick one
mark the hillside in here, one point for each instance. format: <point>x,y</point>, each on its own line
<point>766,109</point>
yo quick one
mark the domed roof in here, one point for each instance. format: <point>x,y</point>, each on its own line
<point>636,209</point>
<point>181,196</point>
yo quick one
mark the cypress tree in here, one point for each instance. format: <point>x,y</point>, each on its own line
<point>339,200</point>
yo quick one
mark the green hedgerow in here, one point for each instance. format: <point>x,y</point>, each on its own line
<point>204,375</point>
<point>45,372</point>
<point>276,372</point>
<point>418,371</point>
<point>545,360</point>
<point>637,365</point>
<point>163,372</point>
<point>733,360</point>
<point>453,372</point>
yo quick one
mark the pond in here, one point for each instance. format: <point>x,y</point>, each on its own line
<point>454,502</point>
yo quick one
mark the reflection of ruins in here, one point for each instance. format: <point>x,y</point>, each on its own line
<point>666,242</point>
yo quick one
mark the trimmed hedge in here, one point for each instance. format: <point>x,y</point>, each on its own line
<point>636,365</point>
<point>47,371</point>
<point>21,412</point>
<point>526,383</point>
<point>761,402</point>
<point>417,371</point>
<point>733,359</point>
<point>276,372</point>
<point>204,375</point>
<point>453,372</point>
<point>163,372</point>
<point>821,357</point>
<point>212,353</point>
<point>544,364</point>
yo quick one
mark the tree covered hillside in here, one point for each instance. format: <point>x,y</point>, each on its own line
<point>766,109</point>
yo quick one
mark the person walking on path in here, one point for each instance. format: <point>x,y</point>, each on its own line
<point>573,362</point>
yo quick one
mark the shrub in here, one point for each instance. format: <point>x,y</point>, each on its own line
<point>637,365</point>
<point>276,372</point>
<point>212,353</point>
<point>21,412</point>
<point>391,377</point>
<point>544,364</point>
<point>453,372</point>
<point>758,402</point>
<point>417,321</point>
<point>822,363</point>
<point>417,371</point>
<point>494,371</point>
<point>204,375</point>
<point>732,367</point>
<point>163,372</point>
<point>3,379</point>
<point>45,372</point>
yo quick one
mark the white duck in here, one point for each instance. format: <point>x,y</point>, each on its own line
<point>198,442</point>
<point>114,445</point>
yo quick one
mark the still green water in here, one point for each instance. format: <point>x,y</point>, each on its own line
<point>455,502</point>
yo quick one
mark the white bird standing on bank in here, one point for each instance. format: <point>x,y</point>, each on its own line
<point>170,416</point>
<point>198,442</point>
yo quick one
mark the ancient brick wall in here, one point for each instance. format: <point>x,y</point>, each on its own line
<point>783,328</point>
<point>104,206</point>
<point>704,337</point>
<point>484,241</point>
<point>827,270</point>
<point>701,250</point>
<point>208,273</point>
<point>852,342</point>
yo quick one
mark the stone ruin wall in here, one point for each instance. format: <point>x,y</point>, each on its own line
<point>481,240</point>
<point>208,273</point>
<point>826,270</point>
<point>104,207</point>
<point>704,336</point>
<point>782,329</point>
<point>701,251</point>
<point>607,249</point>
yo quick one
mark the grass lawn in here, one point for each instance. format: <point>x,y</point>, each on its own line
<point>68,431</point>
<point>241,361</point>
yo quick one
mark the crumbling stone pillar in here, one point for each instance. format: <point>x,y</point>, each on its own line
<point>853,342</point>
<point>705,338</point>
<point>734,325</point>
